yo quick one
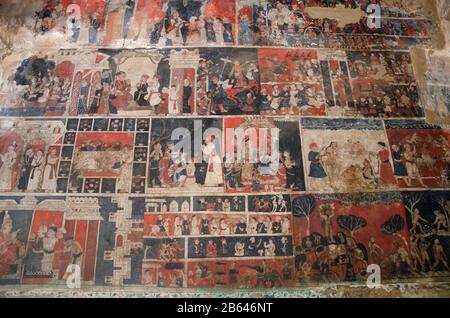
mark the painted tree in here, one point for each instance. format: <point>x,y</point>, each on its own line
<point>394,226</point>
<point>411,202</point>
<point>303,207</point>
<point>162,133</point>
<point>351,223</point>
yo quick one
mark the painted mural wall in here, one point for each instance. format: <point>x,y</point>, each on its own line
<point>92,94</point>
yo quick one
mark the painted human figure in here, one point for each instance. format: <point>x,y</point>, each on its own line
<point>164,167</point>
<point>214,173</point>
<point>49,175</point>
<point>185,226</point>
<point>224,229</point>
<point>204,225</point>
<point>329,157</point>
<point>173,101</point>
<point>276,225</point>
<point>439,256</point>
<point>399,167</point>
<point>155,158</point>
<point>176,29</point>
<point>198,248</point>
<point>177,223</point>
<point>424,257</point>
<point>384,165</point>
<point>26,168</point>
<point>97,94</point>
<point>291,167</point>
<point>200,172</point>
<point>50,239</point>
<point>122,94</point>
<point>82,98</point>
<point>36,171</point>
<point>227,31</point>
<point>286,226</point>
<point>341,83</point>
<point>156,29</point>
<point>218,31</point>
<point>264,100</point>
<point>280,17</point>
<point>440,221</point>
<point>326,214</point>
<point>56,90</point>
<point>125,173</point>
<point>415,220</point>
<point>270,248</point>
<point>375,251</point>
<point>94,27</point>
<point>128,15</point>
<point>74,254</point>
<point>315,168</point>
<point>105,99</point>
<point>237,77</point>
<point>42,251</point>
<point>10,247</point>
<point>246,35</point>
<point>142,91</point>
<point>187,93</point>
<point>241,226</point>
<point>65,90</point>
<point>211,249</point>
<point>75,27</point>
<point>8,161</point>
<point>210,32</point>
<point>239,249</point>
<point>154,96</point>
<point>410,156</point>
<point>195,225</point>
<point>193,37</point>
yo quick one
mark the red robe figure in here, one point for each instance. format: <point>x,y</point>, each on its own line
<point>385,168</point>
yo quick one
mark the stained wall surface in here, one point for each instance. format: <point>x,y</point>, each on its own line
<point>95,96</point>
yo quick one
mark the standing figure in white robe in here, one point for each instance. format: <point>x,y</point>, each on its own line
<point>218,30</point>
<point>214,173</point>
<point>202,29</point>
<point>173,101</point>
<point>177,226</point>
<point>154,97</point>
<point>195,226</point>
<point>50,239</point>
<point>125,170</point>
<point>36,171</point>
<point>8,159</point>
<point>49,178</point>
